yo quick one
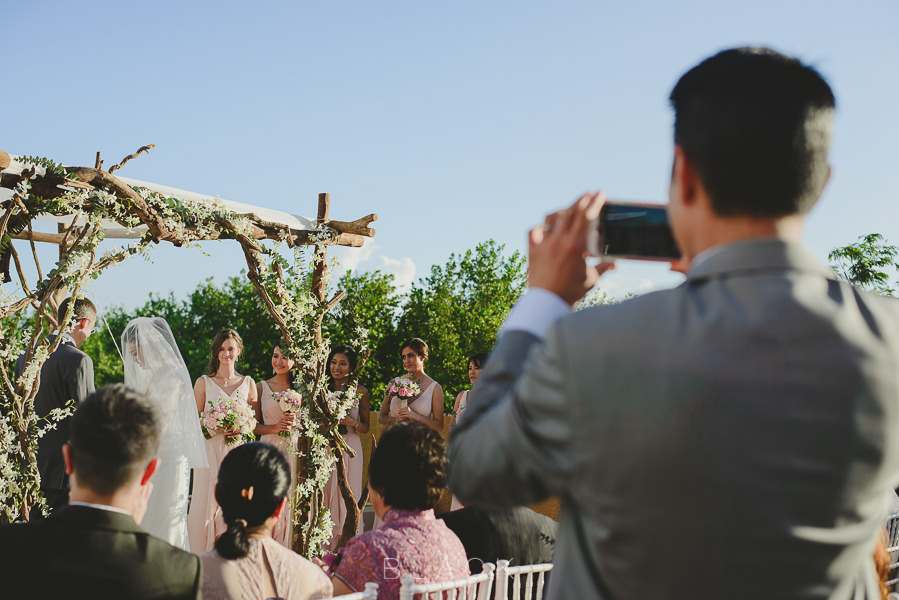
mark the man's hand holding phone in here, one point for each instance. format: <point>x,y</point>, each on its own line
<point>557,251</point>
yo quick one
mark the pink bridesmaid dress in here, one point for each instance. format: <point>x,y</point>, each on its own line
<point>204,518</point>
<point>271,414</point>
<point>332,496</point>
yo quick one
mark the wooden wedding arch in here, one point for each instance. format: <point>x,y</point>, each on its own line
<point>91,204</point>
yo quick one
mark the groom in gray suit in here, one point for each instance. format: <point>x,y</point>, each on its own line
<point>735,437</point>
<point>67,374</point>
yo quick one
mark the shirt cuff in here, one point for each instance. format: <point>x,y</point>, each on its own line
<point>535,311</point>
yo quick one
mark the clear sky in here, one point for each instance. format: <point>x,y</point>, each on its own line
<point>455,122</point>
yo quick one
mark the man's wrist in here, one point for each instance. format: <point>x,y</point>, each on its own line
<point>535,311</point>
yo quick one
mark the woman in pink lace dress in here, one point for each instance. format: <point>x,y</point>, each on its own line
<point>273,422</point>
<point>342,363</point>
<point>246,562</point>
<point>406,476</point>
<point>425,408</point>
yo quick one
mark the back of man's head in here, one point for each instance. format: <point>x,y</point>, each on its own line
<point>83,309</point>
<point>756,126</point>
<point>113,436</point>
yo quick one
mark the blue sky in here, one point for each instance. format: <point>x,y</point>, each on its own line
<point>455,122</point>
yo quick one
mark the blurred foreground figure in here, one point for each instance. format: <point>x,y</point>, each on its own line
<point>734,437</point>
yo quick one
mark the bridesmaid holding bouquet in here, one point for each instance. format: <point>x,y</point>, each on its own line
<point>278,428</point>
<point>219,387</point>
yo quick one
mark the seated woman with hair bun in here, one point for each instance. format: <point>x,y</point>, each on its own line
<point>246,562</point>
<point>406,475</point>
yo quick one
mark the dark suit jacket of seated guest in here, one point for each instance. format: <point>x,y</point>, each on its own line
<point>85,552</point>
<point>519,535</point>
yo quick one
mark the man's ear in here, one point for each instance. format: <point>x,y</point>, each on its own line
<point>150,471</point>
<point>67,458</point>
<point>684,177</point>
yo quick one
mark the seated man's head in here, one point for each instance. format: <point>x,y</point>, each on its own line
<point>113,439</point>
<point>752,129</point>
<point>408,468</point>
<point>84,317</point>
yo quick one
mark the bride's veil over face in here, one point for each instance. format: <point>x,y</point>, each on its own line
<point>155,368</point>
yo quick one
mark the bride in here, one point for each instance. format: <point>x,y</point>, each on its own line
<point>154,367</point>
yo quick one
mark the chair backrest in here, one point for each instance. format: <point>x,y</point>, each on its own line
<point>473,587</point>
<point>508,581</point>
<point>892,546</point>
<point>369,593</point>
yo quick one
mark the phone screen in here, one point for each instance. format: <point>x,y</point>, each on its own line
<point>632,230</point>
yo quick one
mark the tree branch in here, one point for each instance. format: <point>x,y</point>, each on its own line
<point>127,158</point>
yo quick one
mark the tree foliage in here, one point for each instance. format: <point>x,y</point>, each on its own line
<point>867,263</point>
<point>458,308</point>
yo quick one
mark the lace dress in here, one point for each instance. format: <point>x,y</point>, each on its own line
<point>410,544</point>
<point>271,414</point>
<point>243,578</point>
<point>204,519</point>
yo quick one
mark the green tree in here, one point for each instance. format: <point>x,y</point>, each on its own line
<point>194,323</point>
<point>458,309</point>
<point>867,263</point>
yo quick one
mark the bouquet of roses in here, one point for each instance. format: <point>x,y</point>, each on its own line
<point>403,388</point>
<point>290,401</point>
<point>231,416</point>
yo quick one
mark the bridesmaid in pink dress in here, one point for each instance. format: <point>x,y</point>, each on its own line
<point>427,407</point>
<point>341,363</point>
<point>273,421</point>
<point>204,520</point>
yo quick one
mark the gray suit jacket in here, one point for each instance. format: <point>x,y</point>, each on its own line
<point>735,437</point>
<point>67,374</point>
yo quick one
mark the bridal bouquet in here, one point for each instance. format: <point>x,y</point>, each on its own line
<point>403,388</point>
<point>231,416</point>
<point>290,402</point>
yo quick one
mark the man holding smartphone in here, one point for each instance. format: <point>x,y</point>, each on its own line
<point>734,437</point>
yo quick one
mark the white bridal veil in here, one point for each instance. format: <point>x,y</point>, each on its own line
<point>154,367</point>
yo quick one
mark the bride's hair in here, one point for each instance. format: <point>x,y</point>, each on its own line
<point>253,480</point>
<point>217,342</point>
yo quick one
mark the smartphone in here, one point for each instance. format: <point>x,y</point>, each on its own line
<point>633,230</point>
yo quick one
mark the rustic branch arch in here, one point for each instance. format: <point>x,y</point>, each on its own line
<point>93,197</point>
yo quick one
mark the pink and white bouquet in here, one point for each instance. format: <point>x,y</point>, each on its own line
<point>403,388</point>
<point>231,416</point>
<point>290,401</point>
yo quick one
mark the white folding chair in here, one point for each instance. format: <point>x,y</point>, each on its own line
<point>369,593</point>
<point>473,587</point>
<point>892,546</point>
<point>534,577</point>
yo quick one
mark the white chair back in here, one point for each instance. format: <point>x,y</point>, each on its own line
<point>508,581</point>
<point>369,593</point>
<point>473,587</point>
<point>892,546</point>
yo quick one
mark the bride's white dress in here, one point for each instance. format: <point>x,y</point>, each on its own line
<point>154,367</point>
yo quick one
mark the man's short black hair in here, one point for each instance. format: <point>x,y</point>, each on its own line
<point>113,436</point>
<point>756,125</point>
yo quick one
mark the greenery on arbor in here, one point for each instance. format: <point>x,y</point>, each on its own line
<point>275,254</point>
<point>867,263</point>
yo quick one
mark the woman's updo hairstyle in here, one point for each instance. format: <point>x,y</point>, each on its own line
<point>253,480</point>
<point>217,342</point>
<point>418,346</point>
<point>408,467</point>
